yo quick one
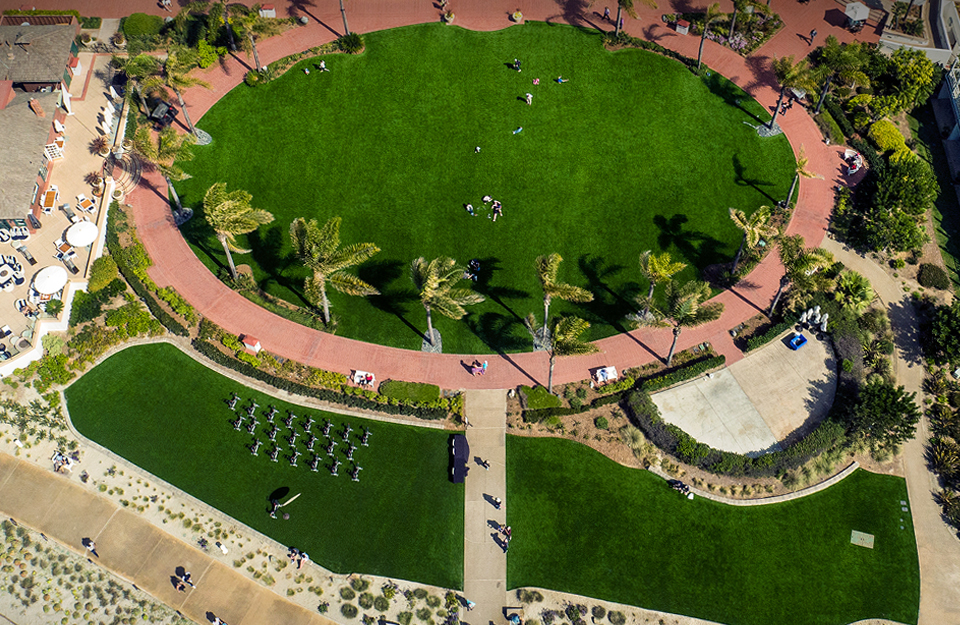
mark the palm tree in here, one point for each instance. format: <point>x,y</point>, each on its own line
<point>547,269</point>
<point>684,306</point>
<point>791,75</point>
<point>627,5</point>
<point>230,214</point>
<point>656,268</point>
<point>252,27</point>
<point>319,249</point>
<point>435,282</point>
<point>754,228</point>
<point>853,291</point>
<point>800,265</point>
<point>164,153</point>
<point>800,171</point>
<point>713,14</point>
<point>564,340</point>
<point>176,75</point>
<point>219,17</point>
<point>343,13</point>
<point>143,72</point>
<point>738,5</point>
<point>843,61</point>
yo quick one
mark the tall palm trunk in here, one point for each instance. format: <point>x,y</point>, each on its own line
<point>736,260</point>
<point>617,25</point>
<point>553,363</point>
<point>256,57</point>
<point>823,94</point>
<point>793,186</point>
<point>226,22</point>
<point>429,326</point>
<point>546,312</point>
<point>346,29</point>
<point>676,335</point>
<point>326,302</point>
<point>703,39</point>
<point>646,309</point>
<point>733,23</point>
<point>173,192</point>
<point>776,299</point>
<point>143,100</point>
<point>776,111</point>
<point>186,115</point>
<point>226,248</point>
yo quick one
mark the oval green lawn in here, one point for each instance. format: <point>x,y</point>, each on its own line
<point>166,413</point>
<point>633,153</point>
<point>584,524</point>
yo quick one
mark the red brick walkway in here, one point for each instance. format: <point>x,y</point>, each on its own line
<point>177,266</point>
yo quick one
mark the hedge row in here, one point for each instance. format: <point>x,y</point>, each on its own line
<point>757,341</point>
<point>350,401</point>
<point>116,251</point>
<point>410,391</point>
<point>619,386</point>
<point>830,127</point>
<point>536,416</point>
<point>624,39</point>
<point>836,112</point>
<point>643,413</point>
<point>679,375</point>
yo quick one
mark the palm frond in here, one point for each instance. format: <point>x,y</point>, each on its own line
<point>351,284</point>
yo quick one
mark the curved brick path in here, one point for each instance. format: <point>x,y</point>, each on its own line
<point>177,266</point>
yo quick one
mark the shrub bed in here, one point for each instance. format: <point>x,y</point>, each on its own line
<point>687,372</point>
<point>757,341</point>
<point>362,399</point>
<point>538,415</point>
<point>643,413</point>
<point>410,391</point>
<point>538,398</point>
<point>619,386</point>
<point>932,277</point>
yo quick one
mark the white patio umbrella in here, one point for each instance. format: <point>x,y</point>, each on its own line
<point>857,11</point>
<point>50,280</point>
<point>82,234</point>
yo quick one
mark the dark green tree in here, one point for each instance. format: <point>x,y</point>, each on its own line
<point>943,344</point>
<point>886,415</point>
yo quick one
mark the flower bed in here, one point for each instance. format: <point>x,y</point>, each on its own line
<point>752,29</point>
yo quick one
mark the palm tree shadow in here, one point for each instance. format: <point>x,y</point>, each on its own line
<point>742,181</point>
<point>729,92</point>
<point>393,299</point>
<point>700,249</point>
<point>497,331</point>
<point>266,244</point>
<point>198,233</point>
<point>608,307</point>
<point>488,266</point>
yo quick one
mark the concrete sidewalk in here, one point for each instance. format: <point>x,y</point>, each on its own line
<point>937,544</point>
<point>484,560</point>
<point>138,551</point>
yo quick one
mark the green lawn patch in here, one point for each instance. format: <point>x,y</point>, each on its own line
<point>413,391</point>
<point>586,525</point>
<point>538,397</point>
<point>634,146</point>
<point>166,413</point>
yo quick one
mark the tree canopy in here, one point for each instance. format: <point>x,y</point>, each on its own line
<point>885,414</point>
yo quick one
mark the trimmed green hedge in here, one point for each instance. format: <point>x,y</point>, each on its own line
<point>410,391</point>
<point>537,398</point>
<point>775,330</point>
<point>688,372</point>
<point>830,127</point>
<point>623,39</point>
<point>643,413</point>
<point>833,108</point>
<point>350,401</point>
<point>538,415</point>
<point>116,215</point>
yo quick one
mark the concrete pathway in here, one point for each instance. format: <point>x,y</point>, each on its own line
<point>937,543</point>
<point>484,560</point>
<point>138,551</point>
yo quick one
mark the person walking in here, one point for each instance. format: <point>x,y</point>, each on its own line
<point>813,35</point>
<point>497,502</point>
<point>606,13</point>
<point>91,546</point>
<point>529,99</point>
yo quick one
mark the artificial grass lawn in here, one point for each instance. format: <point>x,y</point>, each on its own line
<point>586,525</point>
<point>163,411</point>
<point>633,153</point>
